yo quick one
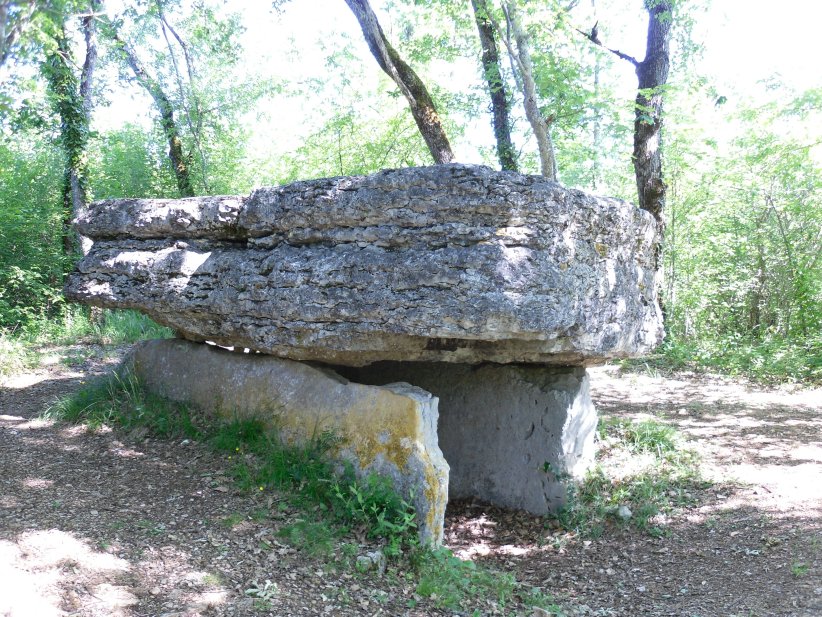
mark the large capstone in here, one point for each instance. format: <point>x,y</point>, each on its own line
<point>449,263</point>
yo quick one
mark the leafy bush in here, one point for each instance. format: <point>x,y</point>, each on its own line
<point>772,359</point>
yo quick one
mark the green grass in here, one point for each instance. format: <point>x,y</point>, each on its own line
<point>315,537</point>
<point>260,461</point>
<point>665,476</point>
<point>644,436</point>
<point>768,360</point>
<point>458,585</point>
<point>19,347</point>
<point>120,400</point>
<point>115,327</point>
<point>16,356</point>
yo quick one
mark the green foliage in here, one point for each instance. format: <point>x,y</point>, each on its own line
<point>743,267</point>
<point>458,585</point>
<point>374,504</point>
<point>349,146</point>
<point>663,476</point>
<point>130,162</point>
<point>31,260</point>
<point>769,360</point>
<point>308,472</point>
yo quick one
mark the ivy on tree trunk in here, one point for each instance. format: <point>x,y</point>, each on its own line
<point>422,106</point>
<point>65,91</point>
<point>496,86</point>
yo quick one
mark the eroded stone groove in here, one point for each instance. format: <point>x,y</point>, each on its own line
<point>449,263</point>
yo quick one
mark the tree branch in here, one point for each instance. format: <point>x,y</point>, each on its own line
<point>594,38</point>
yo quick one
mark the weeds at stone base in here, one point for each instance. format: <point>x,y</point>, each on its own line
<point>332,504</point>
<point>665,476</point>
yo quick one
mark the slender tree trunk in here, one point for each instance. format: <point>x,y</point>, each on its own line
<point>422,106</point>
<point>522,57</point>
<point>596,137</point>
<point>193,112</point>
<point>179,161</point>
<point>496,85</point>
<point>72,101</point>
<point>653,75</point>
<point>79,185</point>
<point>14,15</point>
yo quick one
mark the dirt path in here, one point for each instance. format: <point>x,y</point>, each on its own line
<point>108,524</point>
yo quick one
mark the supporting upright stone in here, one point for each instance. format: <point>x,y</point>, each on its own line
<point>389,430</point>
<point>513,435</point>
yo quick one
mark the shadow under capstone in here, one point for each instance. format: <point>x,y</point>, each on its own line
<point>513,435</point>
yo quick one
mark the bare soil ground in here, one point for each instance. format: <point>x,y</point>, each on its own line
<point>112,524</point>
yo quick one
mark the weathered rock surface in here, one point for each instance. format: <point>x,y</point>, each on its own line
<point>449,263</point>
<point>514,435</point>
<point>389,430</point>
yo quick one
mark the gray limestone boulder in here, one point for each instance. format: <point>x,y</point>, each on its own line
<point>449,263</point>
<point>513,435</point>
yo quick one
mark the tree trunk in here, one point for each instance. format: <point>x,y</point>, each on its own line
<point>72,102</point>
<point>496,86</point>
<point>179,161</point>
<point>13,19</point>
<point>422,106</point>
<point>653,75</point>
<point>545,145</point>
<point>78,184</point>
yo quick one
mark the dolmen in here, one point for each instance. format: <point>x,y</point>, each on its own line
<point>437,319</point>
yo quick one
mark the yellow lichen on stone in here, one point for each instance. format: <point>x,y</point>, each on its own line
<point>388,430</point>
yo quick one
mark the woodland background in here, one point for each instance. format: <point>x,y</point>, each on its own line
<point>239,95</point>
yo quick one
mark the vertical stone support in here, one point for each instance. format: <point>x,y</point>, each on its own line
<point>513,435</point>
<point>389,430</point>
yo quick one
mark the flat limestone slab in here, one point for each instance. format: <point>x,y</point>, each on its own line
<point>515,436</point>
<point>452,263</point>
<point>390,430</point>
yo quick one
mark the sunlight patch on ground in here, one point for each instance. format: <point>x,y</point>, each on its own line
<point>53,547</point>
<point>21,425</point>
<point>33,569</point>
<point>38,483</point>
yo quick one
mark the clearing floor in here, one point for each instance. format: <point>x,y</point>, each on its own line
<point>112,524</point>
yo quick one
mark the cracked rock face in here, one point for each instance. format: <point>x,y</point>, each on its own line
<point>448,263</point>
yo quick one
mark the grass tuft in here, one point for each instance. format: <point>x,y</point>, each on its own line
<point>120,400</point>
<point>15,355</point>
<point>661,476</point>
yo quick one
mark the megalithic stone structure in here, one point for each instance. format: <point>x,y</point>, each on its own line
<point>456,271</point>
